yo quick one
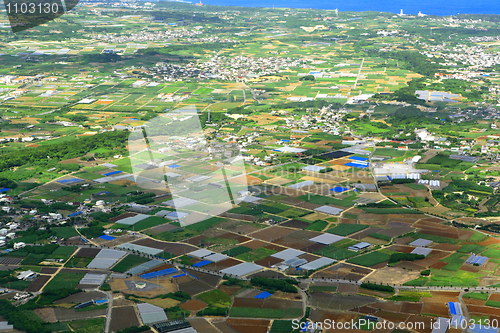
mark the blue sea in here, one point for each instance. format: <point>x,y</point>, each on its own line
<point>430,7</point>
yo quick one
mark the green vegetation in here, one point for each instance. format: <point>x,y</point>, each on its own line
<point>215,298</point>
<point>396,257</point>
<point>381,236</point>
<point>234,252</point>
<point>495,304</point>
<point>477,295</point>
<point>178,296</point>
<point>213,311</point>
<point>377,287</point>
<point>17,318</point>
<point>281,326</point>
<point>317,226</point>
<point>175,312</point>
<point>271,285</point>
<point>370,259</point>
<point>471,248</point>
<point>344,229</point>
<point>255,255</point>
<point>404,298</point>
<point>64,279</point>
<point>128,262</point>
<point>88,325</point>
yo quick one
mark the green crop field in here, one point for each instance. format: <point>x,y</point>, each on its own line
<point>370,259</point>
<point>281,326</point>
<point>64,279</point>
<point>234,252</point>
<point>317,226</point>
<point>345,229</point>
<point>255,255</point>
<point>476,295</point>
<point>128,262</point>
<point>215,298</point>
<point>491,253</point>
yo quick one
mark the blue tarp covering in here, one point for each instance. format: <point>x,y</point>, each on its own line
<point>101,301</point>
<point>75,214</point>
<point>452,308</point>
<point>202,263</point>
<point>180,275</point>
<point>482,329</point>
<point>263,295</point>
<point>163,272</point>
<point>356,165</point>
<point>71,180</point>
<point>106,237</point>
<point>112,173</point>
<point>358,158</point>
<point>339,189</point>
<point>4,189</point>
<point>194,277</point>
<point>388,177</point>
<point>174,166</point>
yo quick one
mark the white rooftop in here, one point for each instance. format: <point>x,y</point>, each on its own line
<point>318,263</point>
<point>180,202</point>
<point>421,242</point>
<point>326,239</point>
<point>216,257</point>
<point>329,210</point>
<point>315,168</point>
<point>422,250</point>
<point>287,254</point>
<point>242,269</point>
<point>200,253</point>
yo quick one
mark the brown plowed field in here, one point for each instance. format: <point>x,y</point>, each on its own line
<point>438,265</point>
<point>391,316</point>
<point>193,305</point>
<point>489,241</point>
<point>272,233</point>
<point>473,301</point>
<point>269,261</point>
<point>249,325</point>
<point>87,252</point>
<point>201,325</point>
<point>122,318</point>
<point>230,262</point>
<point>401,248</point>
<point>387,306</point>
<point>486,310</point>
<point>411,308</point>
<point>255,244</point>
<point>121,216</point>
<point>438,309</point>
<point>427,321</point>
<point>48,270</point>
<point>38,283</point>
<point>295,224</point>
<point>194,287</point>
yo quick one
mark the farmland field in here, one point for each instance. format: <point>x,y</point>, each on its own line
<point>370,259</point>
<point>344,229</point>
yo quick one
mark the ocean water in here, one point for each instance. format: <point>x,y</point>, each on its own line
<point>430,7</point>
